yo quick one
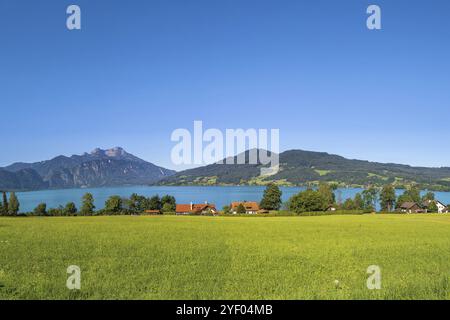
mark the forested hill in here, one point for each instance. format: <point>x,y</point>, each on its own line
<point>298,167</point>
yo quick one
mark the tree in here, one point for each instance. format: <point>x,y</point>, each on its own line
<point>429,196</point>
<point>113,205</point>
<point>5,204</point>
<point>403,198</point>
<point>411,194</point>
<point>56,212</point>
<point>308,201</point>
<point>40,210</point>
<point>240,209</point>
<point>358,202</point>
<point>432,207</point>
<point>167,207</point>
<point>348,204</point>
<point>154,203</point>
<point>87,207</point>
<point>169,202</point>
<point>272,197</point>
<point>370,197</point>
<point>414,193</point>
<point>328,192</point>
<point>226,209</point>
<point>70,209</point>
<point>387,198</point>
<point>136,203</point>
<point>14,204</point>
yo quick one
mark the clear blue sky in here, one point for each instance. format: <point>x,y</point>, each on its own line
<point>140,69</point>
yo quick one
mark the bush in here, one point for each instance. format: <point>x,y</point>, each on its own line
<point>40,210</point>
<point>308,201</point>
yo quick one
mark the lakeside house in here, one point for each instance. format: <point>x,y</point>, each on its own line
<point>440,206</point>
<point>251,207</point>
<point>196,209</point>
<point>413,207</point>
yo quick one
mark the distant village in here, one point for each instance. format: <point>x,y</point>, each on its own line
<point>312,201</point>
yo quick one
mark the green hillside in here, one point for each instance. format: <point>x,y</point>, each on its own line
<point>298,167</point>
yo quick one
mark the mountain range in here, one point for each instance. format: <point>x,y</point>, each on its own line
<point>299,167</point>
<point>111,167</point>
<point>116,167</point>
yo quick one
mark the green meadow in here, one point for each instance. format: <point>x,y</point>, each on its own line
<point>170,257</point>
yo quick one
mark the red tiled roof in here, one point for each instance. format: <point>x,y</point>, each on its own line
<point>152,211</point>
<point>249,206</point>
<point>181,208</point>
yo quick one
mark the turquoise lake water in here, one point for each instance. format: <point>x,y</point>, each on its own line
<point>219,195</point>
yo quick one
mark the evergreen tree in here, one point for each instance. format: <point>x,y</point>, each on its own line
<point>170,202</point>
<point>154,203</point>
<point>14,204</point>
<point>87,208</point>
<point>70,209</point>
<point>2,212</point>
<point>272,198</point>
<point>5,204</point>
<point>387,198</point>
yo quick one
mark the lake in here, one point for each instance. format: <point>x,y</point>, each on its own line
<point>218,195</point>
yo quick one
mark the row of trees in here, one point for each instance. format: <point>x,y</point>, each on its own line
<point>310,200</point>
<point>114,205</point>
<point>323,197</point>
<point>9,207</point>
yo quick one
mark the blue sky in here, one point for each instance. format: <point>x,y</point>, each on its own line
<point>140,69</point>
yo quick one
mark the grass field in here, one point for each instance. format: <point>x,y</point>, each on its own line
<point>169,257</point>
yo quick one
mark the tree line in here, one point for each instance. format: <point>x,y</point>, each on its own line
<point>310,200</point>
<point>323,197</point>
<point>114,205</point>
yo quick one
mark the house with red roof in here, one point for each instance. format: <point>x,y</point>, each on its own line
<point>195,209</point>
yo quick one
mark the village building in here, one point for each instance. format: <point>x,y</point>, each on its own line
<point>411,207</point>
<point>250,207</point>
<point>440,206</point>
<point>196,209</point>
<point>152,211</point>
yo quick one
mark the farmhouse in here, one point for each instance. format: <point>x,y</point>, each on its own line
<point>250,207</point>
<point>205,208</point>
<point>411,207</point>
<point>440,206</point>
<point>152,211</point>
